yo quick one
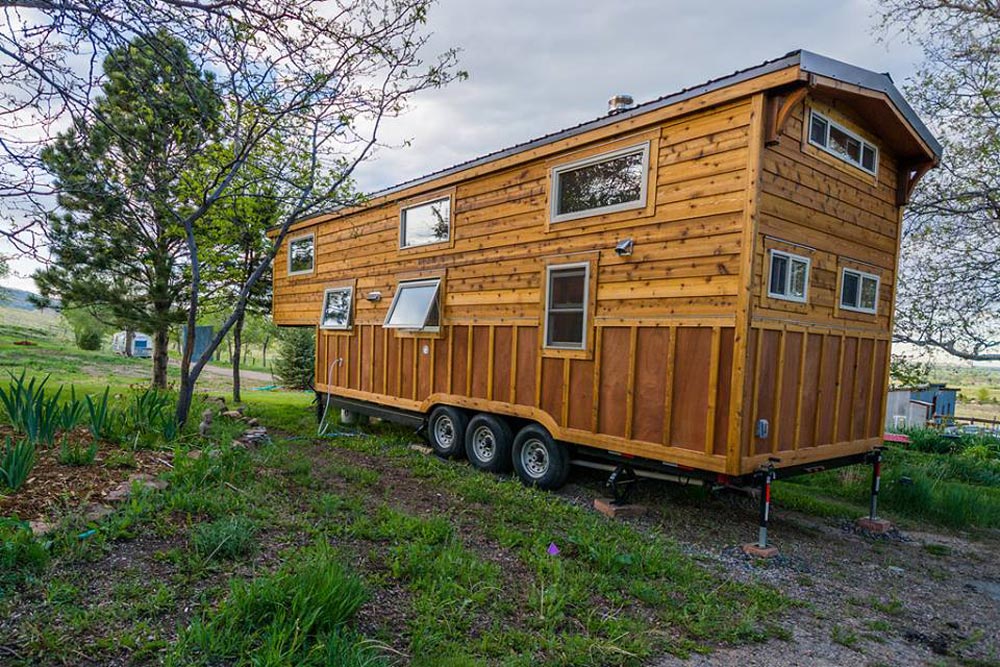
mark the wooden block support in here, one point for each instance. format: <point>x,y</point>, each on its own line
<point>607,507</point>
<point>874,526</point>
<point>757,551</point>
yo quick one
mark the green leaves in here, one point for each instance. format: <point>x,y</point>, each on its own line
<point>16,461</point>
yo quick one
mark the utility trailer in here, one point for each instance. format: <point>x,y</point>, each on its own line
<point>700,286</point>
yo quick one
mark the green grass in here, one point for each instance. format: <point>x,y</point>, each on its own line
<point>229,538</point>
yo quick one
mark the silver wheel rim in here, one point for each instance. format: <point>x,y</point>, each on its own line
<point>483,443</point>
<point>444,431</point>
<point>535,458</point>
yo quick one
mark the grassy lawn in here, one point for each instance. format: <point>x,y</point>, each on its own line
<point>349,550</point>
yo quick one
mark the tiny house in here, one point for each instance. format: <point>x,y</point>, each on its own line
<point>142,345</point>
<point>702,284</point>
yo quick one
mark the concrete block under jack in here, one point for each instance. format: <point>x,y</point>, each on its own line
<point>875,526</point>
<point>607,507</point>
<point>757,551</point>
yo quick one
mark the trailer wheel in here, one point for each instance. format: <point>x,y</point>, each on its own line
<point>446,431</point>
<point>488,443</point>
<point>538,459</point>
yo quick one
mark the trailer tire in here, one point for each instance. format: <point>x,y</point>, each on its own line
<point>488,443</point>
<point>446,431</point>
<point>539,460</point>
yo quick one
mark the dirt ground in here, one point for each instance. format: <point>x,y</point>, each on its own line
<point>914,597</point>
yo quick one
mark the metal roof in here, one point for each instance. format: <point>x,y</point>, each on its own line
<point>805,60</point>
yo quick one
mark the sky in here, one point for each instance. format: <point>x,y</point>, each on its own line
<point>536,66</point>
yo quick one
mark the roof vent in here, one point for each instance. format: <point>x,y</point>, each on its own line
<point>619,103</point>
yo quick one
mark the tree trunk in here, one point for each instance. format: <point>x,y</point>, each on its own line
<point>237,341</point>
<point>161,344</point>
<point>267,339</point>
<point>129,341</point>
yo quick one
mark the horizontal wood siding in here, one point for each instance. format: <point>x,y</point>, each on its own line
<point>817,372</point>
<point>678,290</point>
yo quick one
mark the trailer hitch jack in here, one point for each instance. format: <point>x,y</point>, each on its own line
<point>760,548</point>
<point>620,483</point>
<point>872,523</point>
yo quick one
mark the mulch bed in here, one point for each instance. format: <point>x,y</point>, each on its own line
<point>53,488</point>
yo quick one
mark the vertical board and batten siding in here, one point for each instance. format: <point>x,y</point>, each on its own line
<point>657,380</point>
<point>816,372</point>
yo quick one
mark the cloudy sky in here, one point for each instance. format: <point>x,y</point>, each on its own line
<point>536,66</point>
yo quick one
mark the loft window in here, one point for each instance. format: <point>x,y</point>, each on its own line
<point>859,291</point>
<point>789,277</point>
<point>301,255</point>
<point>415,306</point>
<point>337,302</point>
<point>842,143</point>
<point>601,184</point>
<point>426,223</point>
<point>566,296</point>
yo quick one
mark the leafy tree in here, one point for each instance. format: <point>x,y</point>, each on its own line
<point>115,242</point>
<point>88,330</point>
<point>320,78</point>
<point>907,372</point>
<point>296,357</point>
<point>949,295</point>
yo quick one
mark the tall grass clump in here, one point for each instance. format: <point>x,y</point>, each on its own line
<point>149,414</point>
<point>228,538</point>
<point>16,461</point>
<point>99,413</point>
<point>295,616</point>
<point>31,410</point>
<point>21,555</point>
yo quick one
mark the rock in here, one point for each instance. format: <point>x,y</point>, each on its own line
<point>194,454</point>
<point>423,449</point>
<point>148,481</point>
<point>253,422</point>
<point>96,511</point>
<point>232,414</point>
<point>119,493</point>
<point>39,527</point>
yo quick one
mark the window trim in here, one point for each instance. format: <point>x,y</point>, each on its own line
<point>425,202</point>
<point>790,256</point>
<point>840,156</point>
<point>312,237</point>
<point>583,346</point>
<point>861,276</point>
<point>350,310</point>
<point>400,288</point>
<point>556,171</point>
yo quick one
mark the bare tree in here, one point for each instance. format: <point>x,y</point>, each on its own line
<point>319,76</point>
<point>949,296</point>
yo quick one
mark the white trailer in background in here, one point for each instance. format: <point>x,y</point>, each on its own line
<point>142,345</point>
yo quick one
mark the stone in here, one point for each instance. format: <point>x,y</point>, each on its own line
<point>422,449</point>
<point>757,551</point>
<point>874,526</point>
<point>231,414</point>
<point>194,454</point>
<point>608,508</point>
<point>119,493</point>
<point>253,422</point>
<point>39,527</point>
<point>96,511</point>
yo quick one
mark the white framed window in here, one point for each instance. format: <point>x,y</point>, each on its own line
<point>337,305</point>
<point>840,142</point>
<point>788,277</point>
<point>567,292</point>
<point>416,306</point>
<point>301,255</point>
<point>605,183</point>
<point>425,223</point>
<point>859,291</point>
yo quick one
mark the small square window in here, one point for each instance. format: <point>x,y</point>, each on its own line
<point>301,255</point>
<point>425,223</point>
<point>566,306</point>
<point>415,306</point>
<point>337,304</point>
<point>859,291</point>
<point>789,277</point>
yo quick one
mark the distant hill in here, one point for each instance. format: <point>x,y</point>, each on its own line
<point>17,298</point>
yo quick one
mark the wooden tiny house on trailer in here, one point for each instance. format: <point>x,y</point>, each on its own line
<point>703,283</point>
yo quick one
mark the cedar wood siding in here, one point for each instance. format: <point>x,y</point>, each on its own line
<point>684,346</point>
<point>816,372</point>
<point>656,378</point>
